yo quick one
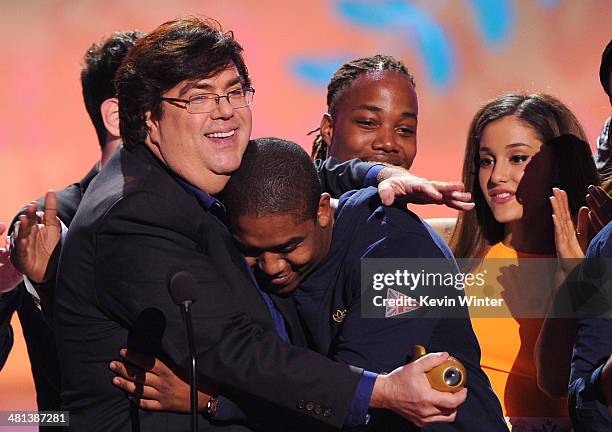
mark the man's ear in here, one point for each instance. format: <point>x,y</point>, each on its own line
<point>152,127</point>
<point>327,129</point>
<point>325,212</point>
<point>110,116</point>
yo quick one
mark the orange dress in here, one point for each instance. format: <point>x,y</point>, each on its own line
<point>507,346</point>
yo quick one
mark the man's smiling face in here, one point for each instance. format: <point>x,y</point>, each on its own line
<point>203,148</point>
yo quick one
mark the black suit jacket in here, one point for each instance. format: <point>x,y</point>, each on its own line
<point>36,327</point>
<point>136,226</point>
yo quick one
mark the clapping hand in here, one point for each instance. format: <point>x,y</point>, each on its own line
<point>36,241</point>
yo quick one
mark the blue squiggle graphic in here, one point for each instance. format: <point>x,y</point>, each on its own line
<point>495,20</point>
<point>411,22</point>
<point>318,71</point>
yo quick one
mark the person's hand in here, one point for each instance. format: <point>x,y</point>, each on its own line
<point>570,243</point>
<point>152,385</point>
<point>407,392</point>
<point>528,287</point>
<point>600,204</point>
<point>36,241</point>
<point>9,276</point>
<point>398,183</point>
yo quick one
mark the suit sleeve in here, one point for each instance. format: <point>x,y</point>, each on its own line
<point>337,178</point>
<point>8,304</point>
<point>135,253</point>
<point>587,409</point>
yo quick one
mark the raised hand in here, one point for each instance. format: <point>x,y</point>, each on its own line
<point>566,239</point>
<point>600,204</point>
<point>36,241</point>
<point>9,276</point>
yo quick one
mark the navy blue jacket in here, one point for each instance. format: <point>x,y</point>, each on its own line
<point>365,229</point>
<point>592,348</point>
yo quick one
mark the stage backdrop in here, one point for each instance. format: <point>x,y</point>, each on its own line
<point>462,52</point>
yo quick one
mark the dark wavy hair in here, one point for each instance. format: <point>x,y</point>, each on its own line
<point>100,65</point>
<point>477,229</point>
<point>183,49</point>
<point>342,80</point>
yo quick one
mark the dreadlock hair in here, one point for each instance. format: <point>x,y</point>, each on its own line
<point>343,79</point>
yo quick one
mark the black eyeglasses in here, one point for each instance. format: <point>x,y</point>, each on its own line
<point>208,102</point>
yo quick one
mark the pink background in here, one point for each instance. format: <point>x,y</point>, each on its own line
<point>47,141</point>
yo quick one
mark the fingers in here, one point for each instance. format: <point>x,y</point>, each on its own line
<point>460,205</point>
<point>565,207</point>
<point>560,205</point>
<point>582,221</point>
<point>557,221</point>
<point>448,186</point>
<point>429,361</point>
<point>50,214</point>
<point>461,196</point>
<point>386,193</point>
<point>136,390</point>
<point>143,361</point>
<point>2,228</point>
<point>595,207</point>
<point>31,213</point>
<point>148,404</point>
<point>133,373</point>
<point>438,419</point>
<point>584,230</point>
<point>429,191</point>
<point>597,226</point>
<point>449,401</point>
<point>598,195</point>
<point>27,221</point>
<point>600,204</point>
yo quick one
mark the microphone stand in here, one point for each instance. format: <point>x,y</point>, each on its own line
<point>193,376</point>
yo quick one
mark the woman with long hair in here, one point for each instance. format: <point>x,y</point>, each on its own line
<point>519,148</point>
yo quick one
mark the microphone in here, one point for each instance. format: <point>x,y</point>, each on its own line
<point>183,288</point>
<point>184,292</point>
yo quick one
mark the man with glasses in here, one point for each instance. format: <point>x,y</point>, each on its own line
<point>207,102</point>
<point>183,95</point>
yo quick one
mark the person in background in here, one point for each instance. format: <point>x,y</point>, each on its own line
<point>372,114</point>
<point>517,151</point>
<point>590,385</point>
<point>603,158</point>
<point>33,298</point>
